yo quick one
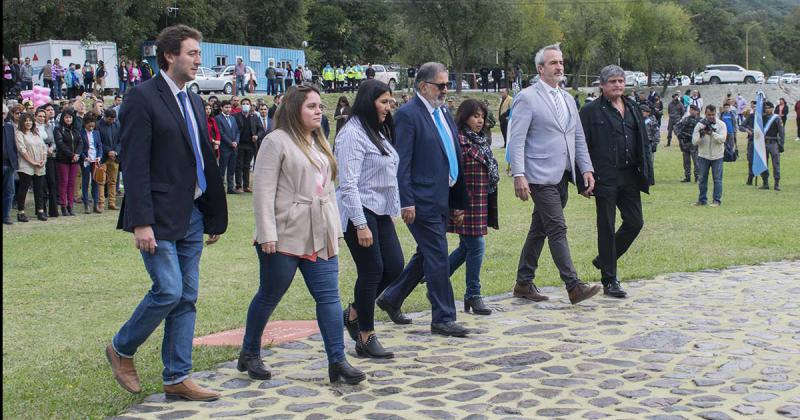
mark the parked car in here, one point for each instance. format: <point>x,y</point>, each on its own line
<point>384,75</point>
<point>208,81</point>
<point>635,78</point>
<point>773,80</point>
<point>789,78</point>
<point>227,73</point>
<point>728,73</point>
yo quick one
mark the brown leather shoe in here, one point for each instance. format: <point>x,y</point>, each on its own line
<point>191,391</point>
<point>248,190</point>
<point>113,207</point>
<point>582,292</point>
<point>124,371</point>
<point>239,190</point>
<point>529,291</point>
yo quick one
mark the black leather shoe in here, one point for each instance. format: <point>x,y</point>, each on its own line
<point>477,306</point>
<point>8,221</point>
<point>70,212</point>
<point>450,329</point>
<point>64,211</point>
<point>343,370</point>
<point>686,180</point>
<point>254,366</point>
<point>612,288</point>
<point>372,348</point>
<point>40,215</point>
<point>352,326</point>
<point>22,217</point>
<point>395,314</point>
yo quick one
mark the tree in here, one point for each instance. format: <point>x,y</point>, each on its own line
<point>661,39</point>
<point>458,26</point>
<point>525,27</point>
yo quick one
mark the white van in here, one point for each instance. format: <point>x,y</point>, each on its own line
<point>76,52</point>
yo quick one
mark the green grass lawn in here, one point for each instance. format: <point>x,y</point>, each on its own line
<point>70,283</point>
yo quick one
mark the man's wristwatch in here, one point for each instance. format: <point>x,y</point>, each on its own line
<point>361,227</point>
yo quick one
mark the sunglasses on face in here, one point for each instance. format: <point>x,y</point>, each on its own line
<point>440,86</point>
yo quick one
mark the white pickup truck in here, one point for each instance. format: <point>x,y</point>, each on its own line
<point>728,73</point>
<point>383,74</point>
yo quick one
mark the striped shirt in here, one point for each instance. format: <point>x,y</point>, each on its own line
<point>367,179</point>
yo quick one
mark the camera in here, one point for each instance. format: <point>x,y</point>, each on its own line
<point>709,126</point>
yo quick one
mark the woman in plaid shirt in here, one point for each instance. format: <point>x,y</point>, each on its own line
<point>481,176</point>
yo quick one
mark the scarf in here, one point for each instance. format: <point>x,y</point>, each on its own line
<point>479,141</point>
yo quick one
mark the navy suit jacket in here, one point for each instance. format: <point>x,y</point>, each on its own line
<point>424,174</point>
<point>160,167</point>
<point>98,144</point>
<point>228,133</point>
<point>10,146</point>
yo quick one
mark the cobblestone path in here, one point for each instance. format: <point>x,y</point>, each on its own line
<point>716,344</point>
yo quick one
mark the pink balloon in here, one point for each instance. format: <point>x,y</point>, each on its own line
<point>37,89</point>
<point>27,94</point>
<point>45,91</point>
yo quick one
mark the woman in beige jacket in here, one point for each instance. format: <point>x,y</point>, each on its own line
<point>297,226</point>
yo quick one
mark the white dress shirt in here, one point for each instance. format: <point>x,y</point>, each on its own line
<point>175,90</point>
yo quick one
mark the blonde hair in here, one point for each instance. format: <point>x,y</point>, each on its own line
<point>288,119</point>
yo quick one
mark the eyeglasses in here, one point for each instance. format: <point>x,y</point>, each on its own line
<point>440,86</point>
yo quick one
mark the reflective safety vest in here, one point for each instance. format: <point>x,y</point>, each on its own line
<point>340,74</point>
<point>359,72</point>
<point>327,74</point>
<point>351,73</point>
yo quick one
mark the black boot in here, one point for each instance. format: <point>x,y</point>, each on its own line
<point>70,212</point>
<point>764,185</point>
<point>40,215</point>
<point>351,326</point>
<point>254,366</point>
<point>395,314</point>
<point>372,348</point>
<point>64,211</point>
<point>612,288</point>
<point>22,217</point>
<point>86,209</point>
<point>749,180</point>
<point>777,185</point>
<point>343,370</point>
<point>477,305</point>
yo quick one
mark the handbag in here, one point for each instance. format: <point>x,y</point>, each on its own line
<point>99,173</point>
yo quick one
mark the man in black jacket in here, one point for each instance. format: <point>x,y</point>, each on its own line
<point>10,166</point>
<point>173,195</point>
<point>247,120</point>
<point>620,152</point>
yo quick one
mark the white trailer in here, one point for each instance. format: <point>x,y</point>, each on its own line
<point>75,52</point>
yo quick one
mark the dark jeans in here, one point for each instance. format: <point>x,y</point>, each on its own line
<point>322,279</point>
<point>429,262</point>
<point>48,83</point>
<point>227,166</point>
<point>243,158</point>
<point>86,177</point>
<point>59,82</point>
<point>239,85</point>
<point>271,87</point>
<point>51,181</point>
<point>377,265</point>
<point>470,250</point>
<point>547,222</point>
<point>26,85</point>
<point>175,272</point>
<point>122,85</point>
<point>25,182</point>
<point>627,199</point>
<point>716,170</point>
<point>8,189</point>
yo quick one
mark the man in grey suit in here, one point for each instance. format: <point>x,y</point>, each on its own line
<point>546,146</point>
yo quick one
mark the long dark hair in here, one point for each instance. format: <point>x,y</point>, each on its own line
<point>364,109</point>
<point>469,108</point>
<point>64,113</point>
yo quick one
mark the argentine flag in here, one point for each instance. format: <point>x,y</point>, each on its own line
<point>759,147</point>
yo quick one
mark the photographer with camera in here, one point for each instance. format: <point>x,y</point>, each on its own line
<point>684,129</point>
<point>709,136</point>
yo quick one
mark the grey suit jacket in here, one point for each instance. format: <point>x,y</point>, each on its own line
<point>537,143</point>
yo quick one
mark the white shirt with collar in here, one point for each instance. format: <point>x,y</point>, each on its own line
<point>442,110</point>
<point>175,90</point>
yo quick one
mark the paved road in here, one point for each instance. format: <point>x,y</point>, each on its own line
<point>713,344</point>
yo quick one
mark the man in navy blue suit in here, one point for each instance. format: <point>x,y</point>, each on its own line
<point>431,184</point>
<point>229,145</point>
<point>173,195</point>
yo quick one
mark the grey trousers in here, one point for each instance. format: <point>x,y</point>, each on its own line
<point>547,222</point>
<point>689,161</point>
<point>773,154</point>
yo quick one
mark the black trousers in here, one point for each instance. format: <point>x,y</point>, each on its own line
<point>547,222</point>
<point>51,183</point>
<point>377,265</point>
<point>627,198</point>
<point>243,158</point>
<point>504,130</point>
<point>25,182</point>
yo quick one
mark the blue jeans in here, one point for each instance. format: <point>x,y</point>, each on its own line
<point>471,250</point>
<point>322,279</point>
<point>86,176</point>
<point>240,85</point>
<point>175,272</point>
<point>122,85</point>
<point>703,165</point>
<point>8,190</point>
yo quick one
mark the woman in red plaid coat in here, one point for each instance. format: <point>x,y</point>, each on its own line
<point>481,176</point>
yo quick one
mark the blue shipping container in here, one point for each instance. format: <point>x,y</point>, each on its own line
<point>259,58</point>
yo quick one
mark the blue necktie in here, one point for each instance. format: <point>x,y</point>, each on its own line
<point>449,148</point>
<point>198,157</point>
